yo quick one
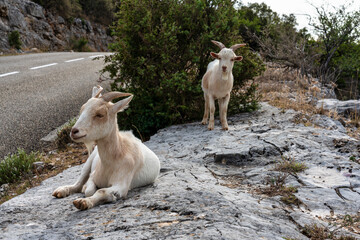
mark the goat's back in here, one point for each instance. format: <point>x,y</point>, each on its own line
<point>150,167</point>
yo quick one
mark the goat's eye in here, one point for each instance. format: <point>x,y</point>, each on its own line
<point>98,115</point>
<point>232,59</point>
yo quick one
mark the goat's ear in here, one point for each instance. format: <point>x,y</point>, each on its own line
<point>214,55</point>
<point>121,105</point>
<point>96,92</point>
<point>238,58</point>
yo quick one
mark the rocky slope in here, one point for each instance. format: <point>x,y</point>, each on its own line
<point>210,187</point>
<point>40,29</point>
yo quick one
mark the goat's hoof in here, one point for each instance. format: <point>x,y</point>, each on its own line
<point>225,128</point>
<point>204,122</point>
<point>61,192</point>
<point>81,204</point>
<point>210,128</point>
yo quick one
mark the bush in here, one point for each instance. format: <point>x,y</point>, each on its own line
<point>161,53</point>
<point>101,11</point>
<point>14,39</point>
<point>63,135</point>
<point>79,45</point>
<point>14,166</point>
<point>65,8</point>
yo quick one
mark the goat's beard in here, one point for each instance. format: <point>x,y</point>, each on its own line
<point>225,76</point>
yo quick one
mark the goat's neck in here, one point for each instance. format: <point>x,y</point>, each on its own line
<point>110,146</point>
<point>222,75</point>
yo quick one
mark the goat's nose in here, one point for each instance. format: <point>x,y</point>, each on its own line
<point>74,131</point>
<point>224,68</point>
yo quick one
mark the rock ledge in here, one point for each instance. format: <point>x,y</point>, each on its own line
<point>207,187</point>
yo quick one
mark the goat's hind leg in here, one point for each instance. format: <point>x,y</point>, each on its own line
<point>65,191</point>
<point>206,110</point>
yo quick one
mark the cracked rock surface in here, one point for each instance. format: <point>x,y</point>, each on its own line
<point>207,187</point>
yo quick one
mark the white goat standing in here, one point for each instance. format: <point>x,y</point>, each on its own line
<point>118,163</point>
<point>217,83</point>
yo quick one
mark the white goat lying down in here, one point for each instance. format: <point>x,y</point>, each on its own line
<point>118,163</point>
<point>217,83</point>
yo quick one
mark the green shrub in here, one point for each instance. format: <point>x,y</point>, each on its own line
<point>161,53</point>
<point>14,39</point>
<point>101,11</point>
<point>65,8</point>
<point>63,135</point>
<point>14,166</point>
<point>79,45</point>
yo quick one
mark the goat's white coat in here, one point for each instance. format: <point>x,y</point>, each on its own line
<point>118,163</point>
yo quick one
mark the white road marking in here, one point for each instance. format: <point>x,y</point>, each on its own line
<point>7,74</point>
<point>73,60</point>
<point>43,66</point>
<point>96,56</point>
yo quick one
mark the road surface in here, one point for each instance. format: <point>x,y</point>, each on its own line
<point>39,92</point>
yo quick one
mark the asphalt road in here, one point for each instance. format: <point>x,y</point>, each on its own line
<point>39,92</point>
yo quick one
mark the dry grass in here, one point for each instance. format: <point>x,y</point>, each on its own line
<point>287,89</point>
<point>315,232</point>
<point>289,165</point>
<point>276,187</point>
<point>231,181</point>
<point>350,222</point>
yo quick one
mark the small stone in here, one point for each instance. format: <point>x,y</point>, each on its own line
<point>4,187</point>
<point>39,166</point>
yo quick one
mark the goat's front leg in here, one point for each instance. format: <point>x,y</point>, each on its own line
<point>212,112</point>
<point>104,195</point>
<point>206,110</point>
<point>65,191</point>
<point>223,107</point>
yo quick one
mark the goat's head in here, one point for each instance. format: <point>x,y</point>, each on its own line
<point>226,57</point>
<point>98,116</point>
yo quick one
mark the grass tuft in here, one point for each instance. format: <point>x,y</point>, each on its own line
<point>276,187</point>
<point>63,135</point>
<point>289,165</point>
<point>15,166</point>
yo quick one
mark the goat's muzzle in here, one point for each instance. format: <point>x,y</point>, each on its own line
<point>224,68</point>
<point>75,134</point>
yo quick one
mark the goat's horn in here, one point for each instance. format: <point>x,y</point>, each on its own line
<point>98,90</point>
<point>236,46</point>
<point>219,44</point>
<point>112,95</point>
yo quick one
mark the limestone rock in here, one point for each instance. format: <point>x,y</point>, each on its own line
<point>16,19</point>
<point>41,29</point>
<point>34,10</point>
<point>208,185</point>
<point>342,107</point>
